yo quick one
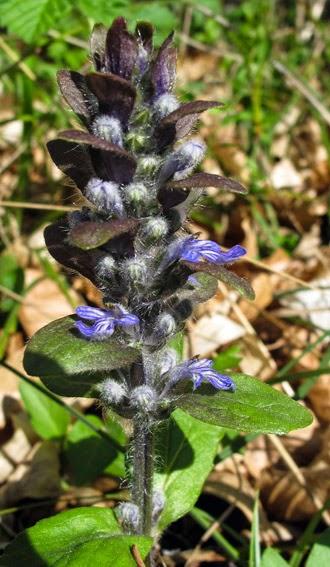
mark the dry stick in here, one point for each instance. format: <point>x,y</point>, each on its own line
<point>16,59</point>
<point>206,49</point>
<point>69,39</point>
<point>303,89</point>
<point>70,409</point>
<point>285,275</point>
<point>13,158</point>
<point>216,17</point>
<point>187,19</point>
<point>249,328</point>
<point>137,556</point>
<point>41,206</point>
<point>292,466</point>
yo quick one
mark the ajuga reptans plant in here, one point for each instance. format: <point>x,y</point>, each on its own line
<point>134,159</point>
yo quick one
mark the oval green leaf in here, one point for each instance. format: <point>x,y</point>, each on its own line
<point>70,365</point>
<point>254,406</point>
<point>83,536</point>
<point>186,448</point>
<point>48,419</point>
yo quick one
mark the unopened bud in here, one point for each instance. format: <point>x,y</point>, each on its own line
<point>111,392</point>
<point>154,230</point>
<point>144,399</point>
<point>136,271</point>
<point>129,516</point>
<point>165,326</point>
<point>105,196</point>
<point>136,195</point>
<point>181,162</point>
<point>165,104</point>
<point>147,165</point>
<point>106,266</point>
<point>108,128</point>
<point>136,140</point>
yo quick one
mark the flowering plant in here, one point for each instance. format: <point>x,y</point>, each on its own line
<point>132,240</point>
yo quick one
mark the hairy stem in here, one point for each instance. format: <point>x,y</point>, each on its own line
<point>143,469</point>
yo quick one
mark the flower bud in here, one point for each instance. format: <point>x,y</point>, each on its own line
<point>108,128</point>
<point>182,162</point>
<point>136,195</point>
<point>106,266</point>
<point>165,104</point>
<point>136,140</point>
<point>111,392</point>
<point>147,165</point>
<point>136,271</point>
<point>129,516</point>
<point>165,326</point>
<point>105,196</point>
<point>144,399</point>
<point>153,230</point>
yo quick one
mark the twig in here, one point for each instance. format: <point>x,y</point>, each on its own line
<point>37,206</point>
<point>207,49</point>
<point>13,158</point>
<point>69,39</point>
<point>216,17</point>
<point>187,19</point>
<point>289,461</point>
<point>285,275</point>
<point>137,556</point>
<point>303,89</point>
<point>70,409</point>
<point>16,59</point>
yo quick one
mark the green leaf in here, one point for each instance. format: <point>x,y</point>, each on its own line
<point>186,449</point>
<point>48,418</point>
<point>12,278</point>
<point>32,18</point>
<point>70,365</point>
<point>83,536</point>
<point>228,358</point>
<point>254,406</point>
<point>88,454</point>
<point>89,235</point>
<point>242,286</point>
<point>272,558</point>
<point>320,554</point>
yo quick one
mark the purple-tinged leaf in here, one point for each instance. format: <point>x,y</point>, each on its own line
<point>74,89</point>
<point>239,284</point>
<point>115,95</point>
<point>163,70</point>
<point>81,261</point>
<point>144,32</point>
<point>97,45</point>
<point>121,49</point>
<point>177,191</point>
<point>208,180</point>
<point>73,160</point>
<point>181,121</point>
<point>110,162</point>
<point>89,235</point>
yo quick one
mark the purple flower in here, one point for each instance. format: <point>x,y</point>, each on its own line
<point>193,250</point>
<point>104,321</point>
<point>200,370</point>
